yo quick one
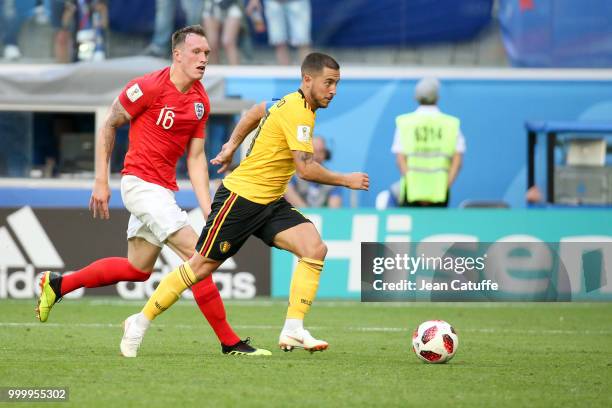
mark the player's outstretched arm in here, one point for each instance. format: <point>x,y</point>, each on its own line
<point>116,117</point>
<point>308,169</point>
<point>249,121</point>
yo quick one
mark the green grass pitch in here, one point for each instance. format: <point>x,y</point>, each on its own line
<point>513,355</point>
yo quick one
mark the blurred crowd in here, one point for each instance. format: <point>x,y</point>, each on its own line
<point>81,27</point>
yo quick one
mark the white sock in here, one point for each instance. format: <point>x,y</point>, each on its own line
<point>293,324</point>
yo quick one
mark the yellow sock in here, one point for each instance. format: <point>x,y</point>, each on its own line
<point>304,285</point>
<point>169,290</point>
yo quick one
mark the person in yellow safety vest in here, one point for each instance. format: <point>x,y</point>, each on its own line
<point>429,147</point>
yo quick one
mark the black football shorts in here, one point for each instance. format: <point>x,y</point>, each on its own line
<point>233,219</point>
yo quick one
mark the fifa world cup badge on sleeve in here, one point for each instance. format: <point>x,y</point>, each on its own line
<point>134,93</point>
<point>303,133</point>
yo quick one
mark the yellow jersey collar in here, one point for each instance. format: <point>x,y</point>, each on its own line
<point>306,105</point>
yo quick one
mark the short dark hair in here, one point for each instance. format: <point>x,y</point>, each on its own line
<point>179,35</point>
<point>316,61</point>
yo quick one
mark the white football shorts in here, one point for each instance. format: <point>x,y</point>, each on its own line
<point>154,212</point>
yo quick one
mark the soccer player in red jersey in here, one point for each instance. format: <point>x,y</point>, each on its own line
<point>167,111</point>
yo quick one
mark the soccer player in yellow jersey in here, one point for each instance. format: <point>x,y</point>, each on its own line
<point>250,202</point>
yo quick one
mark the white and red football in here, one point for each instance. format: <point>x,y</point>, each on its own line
<point>435,341</point>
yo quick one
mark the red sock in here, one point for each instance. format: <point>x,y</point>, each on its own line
<point>102,272</point>
<point>209,301</point>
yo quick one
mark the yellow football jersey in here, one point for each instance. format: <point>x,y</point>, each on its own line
<point>263,175</point>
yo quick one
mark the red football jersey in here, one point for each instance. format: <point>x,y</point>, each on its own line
<point>163,122</point>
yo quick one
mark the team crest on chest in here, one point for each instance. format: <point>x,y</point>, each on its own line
<point>199,109</point>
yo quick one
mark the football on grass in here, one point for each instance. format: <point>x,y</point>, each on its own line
<point>435,341</point>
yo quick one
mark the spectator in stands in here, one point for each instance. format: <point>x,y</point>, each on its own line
<point>302,193</point>
<point>63,13</point>
<point>429,147</point>
<point>10,25</point>
<point>222,23</point>
<point>92,24</point>
<point>288,23</point>
<point>81,27</point>
<point>165,13</point>
<point>255,12</point>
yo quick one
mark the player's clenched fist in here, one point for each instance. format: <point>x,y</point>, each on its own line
<point>358,181</point>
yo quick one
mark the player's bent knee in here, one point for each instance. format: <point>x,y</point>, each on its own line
<point>315,251</point>
<point>322,250</point>
<point>203,267</point>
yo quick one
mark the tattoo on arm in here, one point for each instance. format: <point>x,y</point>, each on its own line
<point>306,157</point>
<point>117,117</point>
<point>235,139</point>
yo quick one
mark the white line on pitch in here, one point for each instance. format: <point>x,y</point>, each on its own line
<point>277,327</point>
<point>263,302</point>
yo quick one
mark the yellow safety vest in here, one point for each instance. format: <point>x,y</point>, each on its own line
<point>429,142</point>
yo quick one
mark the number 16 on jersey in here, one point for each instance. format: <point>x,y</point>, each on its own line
<point>166,118</point>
